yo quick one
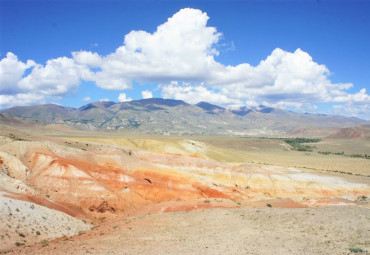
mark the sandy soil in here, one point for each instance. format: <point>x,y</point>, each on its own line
<point>324,230</point>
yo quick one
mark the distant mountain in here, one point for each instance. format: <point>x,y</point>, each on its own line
<point>242,111</point>
<point>167,116</point>
<point>209,107</point>
<point>158,101</point>
<point>313,132</point>
<point>98,105</point>
<point>352,133</point>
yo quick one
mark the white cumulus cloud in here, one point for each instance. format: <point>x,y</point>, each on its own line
<point>87,58</point>
<point>123,98</point>
<point>180,49</point>
<point>359,110</point>
<point>20,99</point>
<point>146,94</point>
<point>11,72</point>
<point>86,99</point>
<point>196,94</point>
<point>58,77</point>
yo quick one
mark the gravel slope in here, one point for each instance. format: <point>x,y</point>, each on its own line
<point>24,223</point>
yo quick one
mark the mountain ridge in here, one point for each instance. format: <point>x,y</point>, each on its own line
<point>169,116</point>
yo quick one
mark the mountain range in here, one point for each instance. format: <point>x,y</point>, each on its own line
<point>167,116</point>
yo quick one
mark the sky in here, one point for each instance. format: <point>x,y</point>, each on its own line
<point>305,56</point>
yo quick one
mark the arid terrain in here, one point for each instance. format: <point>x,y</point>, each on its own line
<point>111,192</point>
<point>184,127</point>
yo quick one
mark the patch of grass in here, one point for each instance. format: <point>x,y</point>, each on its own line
<point>268,205</point>
<point>324,152</point>
<point>15,138</point>
<point>297,143</point>
<point>357,155</point>
<point>338,153</point>
<point>44,243</point>
<point>207,201</point>
<point>356,250</point>
<point>5,251</point>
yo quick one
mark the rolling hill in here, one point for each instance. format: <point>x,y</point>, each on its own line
<point>352,133</point>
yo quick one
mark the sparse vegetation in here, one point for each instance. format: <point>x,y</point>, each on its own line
<point>324,152</point>
<point>355,155</point>
<point>363,198</point>
<point>356,250</point>
<point>44,243</point>
<point>338,153</point>
<point>297,143</point>
<point>14,137</point>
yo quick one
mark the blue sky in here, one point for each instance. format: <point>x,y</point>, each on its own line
<point>315,54</point>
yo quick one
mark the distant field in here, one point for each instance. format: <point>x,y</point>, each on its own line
<point>348,146</point>
<point>271,151</point>
<point>313,161</point>
<point>255,150</point>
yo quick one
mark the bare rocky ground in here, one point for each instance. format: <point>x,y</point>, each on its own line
<point>321,230</point>
<point>24,223</point>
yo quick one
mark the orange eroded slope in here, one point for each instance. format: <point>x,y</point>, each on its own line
<point>110,181</point>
